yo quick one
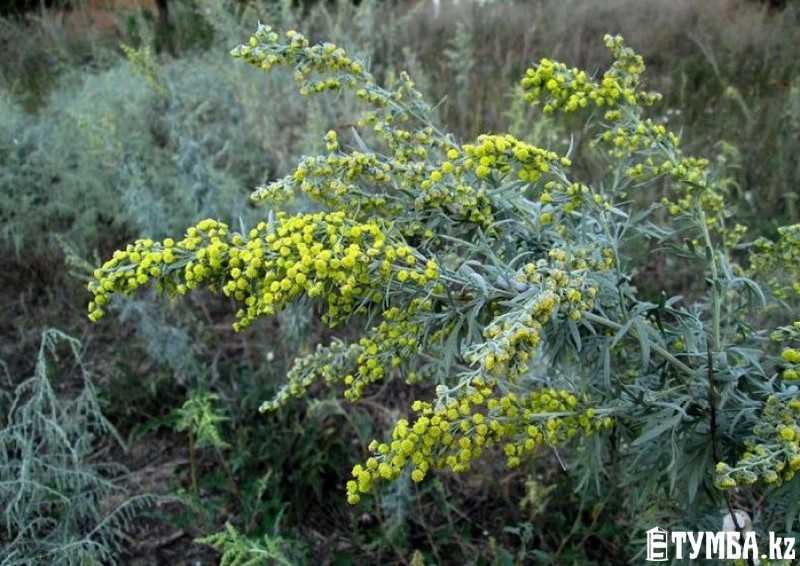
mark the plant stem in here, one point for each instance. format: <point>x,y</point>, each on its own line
<point>229,473</point>
<point>661,351</point>
<point>193,462</point>
<point>713,396</point>
<point>716,300</point>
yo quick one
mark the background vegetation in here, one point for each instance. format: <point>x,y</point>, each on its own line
<point>108,133</point>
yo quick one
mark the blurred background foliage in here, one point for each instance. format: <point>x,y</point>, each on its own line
<point>128,119</point>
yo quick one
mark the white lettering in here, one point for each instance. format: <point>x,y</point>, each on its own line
<point>775,549</point>
<point>696,542</point>
<point>733,550</point>
<point>715,544</point>
<point>678,539</point>
<point>788,549</point>
<point>721,545</point>
<point>750,550</point>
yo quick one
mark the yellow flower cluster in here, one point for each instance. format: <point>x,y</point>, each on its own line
<point>349,180</point>
<point>454,433</point>
<point>325,66</point>
<point>779,261</point>
<point>500,154</point>
<point>792,358</point>
<point>773,453</point>
<point>387,346</point>
<point>328,363</point>
<point>322,255</point>
<point>512,337</point>
<point>789,336</point>
<point>352,180</point>
<point>407,146</point>
<point>657,149</point>
<point>265,50</point>
<point>394,341</point>
<point>637,137</point>
<point>567,90</point>
<point>566,197</point>
<point>333,180</point>
<point>630,137</point>
<point>665,158</point>
<point>450,184</point>
<point>692,173</point>
<point>461,199</point>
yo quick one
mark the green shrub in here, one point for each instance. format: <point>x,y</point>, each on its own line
<point>99,144</point>
<point>502,282</point>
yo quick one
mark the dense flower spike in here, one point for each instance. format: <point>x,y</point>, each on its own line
<point>651,150</point>
<point>265,50</point>
<point>328,363</point>
<point>453,434</point>
<point>392,343</point>
<point>500,154</point>
<point>789,336</point>
<point>772,454</point>
<point>397,117</point>
<point>779,261</point>
<point>320,255</point>
<point>568,90</point>
<point>546,289</point>
<point>332,181</point>
<point>389,345</point>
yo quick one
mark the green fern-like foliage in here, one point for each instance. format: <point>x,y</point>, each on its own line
<point>239,550</point>
<point>59,505</point>
<point>198,416</point>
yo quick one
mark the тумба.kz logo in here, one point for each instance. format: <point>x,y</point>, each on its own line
<point>720,545</point>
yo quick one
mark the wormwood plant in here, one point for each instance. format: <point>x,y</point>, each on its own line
<point>503,284</point>
<point>59,505</point>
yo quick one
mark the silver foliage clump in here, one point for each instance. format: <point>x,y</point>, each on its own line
<point>59,504</point>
